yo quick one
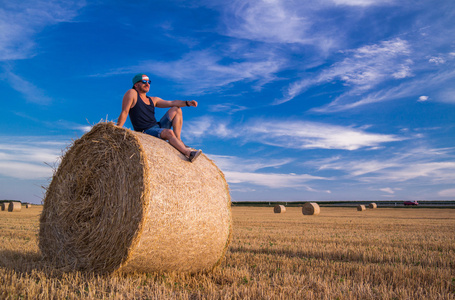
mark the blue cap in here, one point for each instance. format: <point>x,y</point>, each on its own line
<point>140,77</point>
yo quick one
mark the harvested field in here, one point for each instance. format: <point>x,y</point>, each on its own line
<point>384,253</point>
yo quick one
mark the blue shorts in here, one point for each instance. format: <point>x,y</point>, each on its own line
<point>164,123</point>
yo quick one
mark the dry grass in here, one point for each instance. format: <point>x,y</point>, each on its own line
<point>401,253</point>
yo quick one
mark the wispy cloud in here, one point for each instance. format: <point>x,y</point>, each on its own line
<point>227,107</point>
<point>313,135</point>
<point>447,193</point>
<point>233,163</point>
<point>244,171</point>
<point>20,21</point>
<point>362,69</point>
<point>387,190</point>
<point>291,134</point>
<point>269,21</point>
<point>28,158</point>
<point>208,71</point>
<point>272,180</point>
<point>27,89</point>
<point>363,3</point>
<point>431,165</point>
<point>412,88</point>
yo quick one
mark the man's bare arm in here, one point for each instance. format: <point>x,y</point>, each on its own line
<point>127,103</point>
<point>179,103</point>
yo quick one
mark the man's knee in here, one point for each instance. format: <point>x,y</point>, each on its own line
<point>167,134</point>
<point>175,111</point>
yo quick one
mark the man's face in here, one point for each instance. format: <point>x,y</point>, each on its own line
<point>144,85</point>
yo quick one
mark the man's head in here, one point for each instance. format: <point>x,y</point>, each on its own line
<point>141,82</point>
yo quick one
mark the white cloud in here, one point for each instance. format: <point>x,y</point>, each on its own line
<point>232,163</point>
<point>243,170</point>
<point>269,21</point>
<point>362,69</point>
<point>437,60</point>
<point>28,159</point>
<point>22,170</point>
<point>28,90</point>
<point>227,107</point>
<point>349,100</point>
<point>423,98</point>
<point>435,171</point>
<point>362,2</point>
<point>313,135</point>
<point>425,165</point>
<point>447,193</point>
<point>205,71</point>
<point>290,134</point>
<point>358,167</point>
<point>272,180</point>
<point>387,190</point>
<point>447,96</point>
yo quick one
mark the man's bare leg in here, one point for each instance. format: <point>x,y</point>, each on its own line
<point>175,114</point>
<point>169,135</point>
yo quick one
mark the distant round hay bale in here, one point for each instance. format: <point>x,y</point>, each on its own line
<point>372,205</point>
<point>126,201</point>
<point>14,206</point>
<point>361,208</point>
<point>5,206</point>
<point>279,209</point>
<point>28,205</point>
<point>311,208</point>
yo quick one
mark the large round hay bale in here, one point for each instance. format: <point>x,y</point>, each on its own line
<point>372,205</point>
<point>279,209</point>
<point>311,208</point>
<point>14,206</point>
<point>4,206</point>
<point>126,201</point>
<point>361,207</point>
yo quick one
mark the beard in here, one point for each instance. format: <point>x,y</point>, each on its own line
<point>142,88</point>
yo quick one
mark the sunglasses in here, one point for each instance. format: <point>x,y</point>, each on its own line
<point>146,81</point>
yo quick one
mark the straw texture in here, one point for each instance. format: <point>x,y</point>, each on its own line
<point>372,205</point>
<point>279,209</point>
<point>14,206</point>
<point>361,208</point>
<point>126,201</point>
<point>311,208</point>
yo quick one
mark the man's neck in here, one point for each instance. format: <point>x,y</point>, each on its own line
<point>142,94</point>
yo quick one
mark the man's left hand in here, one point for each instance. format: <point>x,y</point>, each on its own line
<point>192,103</point>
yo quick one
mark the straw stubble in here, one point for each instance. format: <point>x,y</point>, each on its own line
<point>123,200</point>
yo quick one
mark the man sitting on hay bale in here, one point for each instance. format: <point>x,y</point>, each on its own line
<point>141,109</point>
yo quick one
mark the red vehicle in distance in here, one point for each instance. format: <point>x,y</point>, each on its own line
<point>411,203</point>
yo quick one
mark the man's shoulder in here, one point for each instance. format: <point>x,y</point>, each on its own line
<point>131,92</point>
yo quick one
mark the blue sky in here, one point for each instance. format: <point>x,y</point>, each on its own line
<point>298,100</point>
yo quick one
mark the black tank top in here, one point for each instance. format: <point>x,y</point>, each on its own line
<point>142,116</point>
